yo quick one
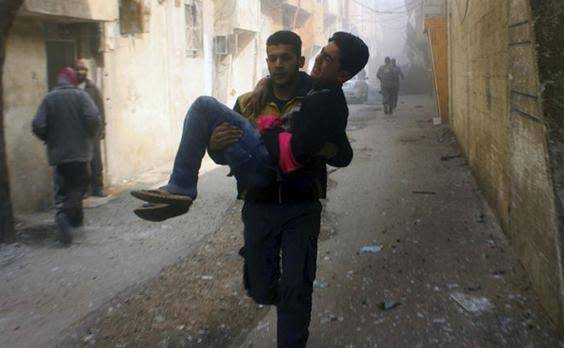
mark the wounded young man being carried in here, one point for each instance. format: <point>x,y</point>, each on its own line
<point>277,147</point>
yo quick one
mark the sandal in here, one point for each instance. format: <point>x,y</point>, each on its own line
<point>159,212</point>
<point>162,196</point>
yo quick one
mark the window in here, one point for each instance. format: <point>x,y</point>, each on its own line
<point>193,13</point>
<point>220,45</point>
<point>134,16</point>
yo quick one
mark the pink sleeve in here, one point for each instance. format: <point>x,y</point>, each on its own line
<point>267,121</point>
<point>286,160</point>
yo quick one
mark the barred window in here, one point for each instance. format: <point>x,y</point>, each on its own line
<point>131,16</point>
<point>134,16</point>
<point>194,35</point>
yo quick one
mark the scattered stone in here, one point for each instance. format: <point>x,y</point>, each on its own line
<point>447,158</point>
<point>472,304</point>
<point>319,284</point>
<point>388,305</point>
<point>370,249</point>
<point>424,192</point>
<point>90,339</point>
<point>473,287</point>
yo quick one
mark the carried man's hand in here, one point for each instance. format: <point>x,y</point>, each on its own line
<point>224,135</point>
<point>257,101</point>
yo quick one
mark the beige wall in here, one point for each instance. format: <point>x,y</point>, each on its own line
<point>149,82</point>
<point>497,117</point>
<point>25,84</point>
<point>100,10</point>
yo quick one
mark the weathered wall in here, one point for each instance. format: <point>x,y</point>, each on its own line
<point>548,19</point>
<point>237,72</point>
<point>84,9</point>
<point>479,73</point>
<point>25,84</point>
<point>149,82</point>
<point>497,116</point>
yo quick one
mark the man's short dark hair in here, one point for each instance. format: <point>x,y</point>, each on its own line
<point>286,37</point>
<point>354,52</point>
<point>387,60</point>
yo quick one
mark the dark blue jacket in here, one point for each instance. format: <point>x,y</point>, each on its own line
<point>67,121</point>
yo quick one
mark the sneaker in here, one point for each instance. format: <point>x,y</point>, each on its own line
<point>99,192</point>
<point>65,229</point>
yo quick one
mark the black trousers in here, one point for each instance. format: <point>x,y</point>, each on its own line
<point>96,168</point>
<point>71,182</point>
<point>394,97</point>
<point>280,255</point>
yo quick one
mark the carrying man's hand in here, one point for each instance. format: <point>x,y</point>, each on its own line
<point>224,135</point>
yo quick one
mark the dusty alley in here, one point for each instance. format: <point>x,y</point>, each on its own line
<point>409,256</point>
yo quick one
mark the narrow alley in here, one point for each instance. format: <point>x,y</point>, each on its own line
<point>436,270</point>
<point>445,230</point>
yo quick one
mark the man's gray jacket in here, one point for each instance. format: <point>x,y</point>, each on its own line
<point>67,121</point>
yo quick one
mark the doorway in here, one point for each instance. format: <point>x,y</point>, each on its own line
<point>60,54</point>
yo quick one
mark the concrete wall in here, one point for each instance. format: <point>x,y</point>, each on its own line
<point>149,82</point>
<point>99,10</point>
<point>236,73</point>
<point>498,119</point>
<point>548,17</point>
<point>25,84</point>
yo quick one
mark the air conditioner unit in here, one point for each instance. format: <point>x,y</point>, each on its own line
<point>221,45</point>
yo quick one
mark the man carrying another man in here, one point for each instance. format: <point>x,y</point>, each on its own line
<point>281,217</point>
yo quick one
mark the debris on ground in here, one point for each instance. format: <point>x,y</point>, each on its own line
<point>449,157</point>
<point>424,192</point>
<point>370,249</point>
<point>388,305</point>
<point>473,287</point>
<point>482,219</point>
<point>472,304</point>
<point>319,284</point>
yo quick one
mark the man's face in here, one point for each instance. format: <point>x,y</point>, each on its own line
<point>283,64</point>
<point>327,68</point>
<point>81,74</point>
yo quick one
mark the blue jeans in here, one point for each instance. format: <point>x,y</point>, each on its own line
<point>248,159</point>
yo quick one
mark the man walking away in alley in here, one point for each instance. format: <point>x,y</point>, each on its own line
<point>397,75</point>
<point>386,75</point>
<point>96,167</point>
<point>281,214</point>
<point>67,121</point>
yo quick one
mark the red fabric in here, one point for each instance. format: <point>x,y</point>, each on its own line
<point>69,75</point>
<point>268,121</point>
<point>286,160</point>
